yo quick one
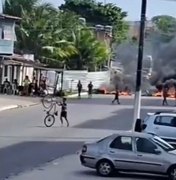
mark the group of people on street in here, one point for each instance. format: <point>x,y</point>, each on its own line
<point>80,88</point>
<point>28,87</point>
<point>9,88</point>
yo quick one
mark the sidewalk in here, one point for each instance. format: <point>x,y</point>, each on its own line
<point>11,102</point>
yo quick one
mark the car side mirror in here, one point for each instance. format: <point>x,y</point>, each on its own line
<point>157,151</point>
<point>144,126</point>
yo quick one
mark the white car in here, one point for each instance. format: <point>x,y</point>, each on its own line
<point>163,124</point>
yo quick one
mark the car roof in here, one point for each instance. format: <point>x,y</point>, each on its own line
<point>133,134</point>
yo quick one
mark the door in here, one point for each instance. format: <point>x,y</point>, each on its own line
<point>147,160</point>
<point>165,126</point>
<point>121,151</point>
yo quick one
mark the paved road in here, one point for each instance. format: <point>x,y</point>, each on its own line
<point>26,144</point>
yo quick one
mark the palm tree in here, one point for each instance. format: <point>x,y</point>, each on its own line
<point>91,52</point>
<point>52,34</point>
<point>16,7</point>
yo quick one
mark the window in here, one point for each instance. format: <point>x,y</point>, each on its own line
<point>165,121</point>
<point>164,145</point>
<point>124,143</point>
<point>8,32</point>
<point>145,146</point>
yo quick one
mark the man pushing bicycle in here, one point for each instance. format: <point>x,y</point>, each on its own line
<point>63,113</point>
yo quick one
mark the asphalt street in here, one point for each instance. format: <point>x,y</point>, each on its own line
<point>26,144</point>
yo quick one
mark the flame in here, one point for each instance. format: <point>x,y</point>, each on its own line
<point>171,93</point>
<point>122,93</point>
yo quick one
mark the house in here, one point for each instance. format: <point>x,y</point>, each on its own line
<point>7,39</point>
<point>7,33</point>
<point>18,66</point>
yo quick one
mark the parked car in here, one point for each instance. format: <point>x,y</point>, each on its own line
<point>163,124</point>
<point>130,151</point>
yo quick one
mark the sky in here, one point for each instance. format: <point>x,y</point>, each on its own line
<point>155,7</point>
<point>132,7</point>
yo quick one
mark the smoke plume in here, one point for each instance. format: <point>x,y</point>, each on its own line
<point>163,61</point>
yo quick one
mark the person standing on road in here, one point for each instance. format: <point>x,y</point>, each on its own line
<point>26,85</point>
<point>165,94</point>
<point>175,95</point>
<point>116,98</point>
<point>90,89</point>
<point>63,113</point>
<point>79,86</point>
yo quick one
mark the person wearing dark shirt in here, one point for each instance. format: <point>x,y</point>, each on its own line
<point>79,86</point>
<point>165,95</point>
<point>63,113</point>
<point>90,88</point>
<point>6,86</point>
<point>116,98</point>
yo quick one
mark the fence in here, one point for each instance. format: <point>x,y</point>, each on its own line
<point>71,79</point>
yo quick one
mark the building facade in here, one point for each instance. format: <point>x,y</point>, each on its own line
<point>7,40</point>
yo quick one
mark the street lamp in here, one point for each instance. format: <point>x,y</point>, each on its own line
<point>137,101</point>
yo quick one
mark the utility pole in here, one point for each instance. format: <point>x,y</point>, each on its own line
<point>137,101</point>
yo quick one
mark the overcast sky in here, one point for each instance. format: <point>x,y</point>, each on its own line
<point>155,7</point>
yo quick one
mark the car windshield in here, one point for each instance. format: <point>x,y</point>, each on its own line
<point>163,144</point>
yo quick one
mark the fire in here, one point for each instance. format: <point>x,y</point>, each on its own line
<point>171,93</point>
<point>121,93</point>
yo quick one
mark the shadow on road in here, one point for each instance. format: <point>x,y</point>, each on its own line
<point>114,122</point>
<point>124,176</point>
<point>120,120</point>
<point>28,155</point>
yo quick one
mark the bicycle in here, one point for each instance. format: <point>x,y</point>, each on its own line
<point>49,98</point>
<point>49,120</point>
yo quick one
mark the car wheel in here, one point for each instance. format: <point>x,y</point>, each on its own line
<point>172,173</point>
<point>105,168</point>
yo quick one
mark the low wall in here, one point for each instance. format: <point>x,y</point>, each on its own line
<point>71,79</point>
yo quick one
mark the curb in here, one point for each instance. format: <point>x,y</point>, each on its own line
<point>17,106</point>
<point>8,107</point>
<point>76,95</point>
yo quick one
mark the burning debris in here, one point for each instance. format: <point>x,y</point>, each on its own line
<point>158,66</point>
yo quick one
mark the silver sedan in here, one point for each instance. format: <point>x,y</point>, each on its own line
<point>130,151</point>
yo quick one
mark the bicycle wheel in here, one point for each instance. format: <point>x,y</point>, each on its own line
<point>47,101</point>
<point>49,120</point>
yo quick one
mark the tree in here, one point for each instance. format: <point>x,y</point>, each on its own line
<point>165,28</point>
<point>165,24</point>
<point>56,37</point>
<point>92,53</point>
<point>16,8</point>
<point>97,13</point>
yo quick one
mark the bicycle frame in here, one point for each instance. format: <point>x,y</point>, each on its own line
<point>53,106</point>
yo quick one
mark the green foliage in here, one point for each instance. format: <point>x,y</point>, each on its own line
<point>166,24</point>
<point>97,13</point>
<point>56,37</point>
<point>165,27</point>
<point>92,53</point>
